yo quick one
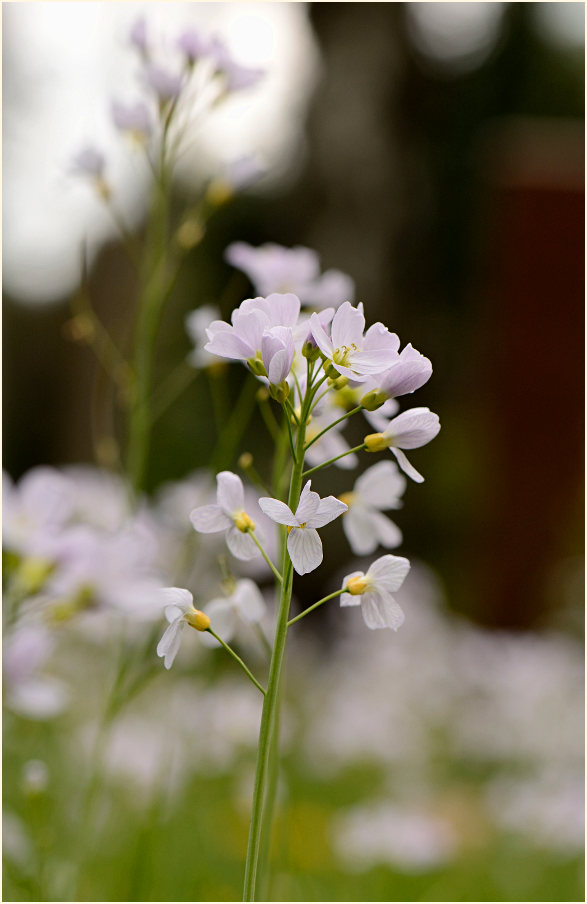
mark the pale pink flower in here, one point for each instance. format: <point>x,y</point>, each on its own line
<point>353,354</point>
<point>244,338</point>
<point>277,352</point>
<point>303,542</point>
<point>273,268</point>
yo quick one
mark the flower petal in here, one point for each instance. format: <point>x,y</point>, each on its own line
<point>405,465</point>
<point>241,545</point>
<point>231,494</point>
<point>389,572</point>
<point>222,621</point>
<point>381,485</point>
<point>208,519</point>
<point>351,599</point>
<point>248,600</point>
<point>380,610</point>
<point>360,530</point>
<point>388,534</point>
<point>178,598</point>
<point>169,643</point>
<point>347,326</point>
<point>321,337</point>
<point>308,504</point>
<point>305,549</point>
<point>329,508</point>
<point>413,428</point>
<point>278,511</point>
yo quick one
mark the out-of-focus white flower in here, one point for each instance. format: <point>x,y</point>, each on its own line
<point>244,604</point>
<point>35,777</point>
<point>133,118</point>
<point>228,515</point>
<point>303,542</point>
<point>372,591</point>
<point>331,444</point>
<point>409,838</point>
<point>235,76</point>
<point>166,84</point>
<point>273,268</point>
<point>179,612</point>
<point>377,489</point>
<point>196,323</point>
<point>409,430</point>
<point>34,510</point>
<point>29,692</point>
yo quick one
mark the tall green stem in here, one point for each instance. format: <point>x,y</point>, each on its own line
<point>259,813</point>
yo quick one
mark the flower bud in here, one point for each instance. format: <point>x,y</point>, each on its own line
<point>376,442</point>
<point>243,522</point>
<point>339,383</point>
<point>373,400</point>
<point>357,585</point>
<point>189,234</point>
<point>257,367</point>
<point>198,620</point>
<point>219,191</point>
<point>310,350</point>
<point>279,392</point>
<point>331,371</point>
<point>245,461</point>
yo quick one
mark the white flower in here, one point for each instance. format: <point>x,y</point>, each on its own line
<point>196,324</point>
<point>378,488</point>
<point>409,430</point>
<point>372,591</point>
<point>179,612</point>
<point>244,604</point>
<point>228,515</point>
<point>303,543</point>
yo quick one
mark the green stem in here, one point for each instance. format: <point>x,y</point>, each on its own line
<point>237,658</point>
<point>178,380</point>
<point>269,418</point>
<point>260,814</point>
<point>330,426</point>
<point>235,425</point>
<point>315,606</point>
<point>331,460</point>
<point>265,556</point>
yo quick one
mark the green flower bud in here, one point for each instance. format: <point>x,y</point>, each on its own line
<point>373,400</point>
<point>279,391</point>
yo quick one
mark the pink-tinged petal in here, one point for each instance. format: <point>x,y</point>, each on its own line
<point>329,508</point>
<point>283,309</point>
<point>248,600</point>
<point>279,366</point>
<point>241,545</point>
<point>278,511</point>
<point>329,446</point>
<point>381,485</point>
<point>249,326</point>
<point>405,465</point>
<point>230,495</point>
<point>381,611</point>
<point>226,344</point>
<point>209,519</point>
<point>305,549</point>
<point>378,337</point>
<point>388,534</point>
<point>371,361</point>
<point>389,572</point>
<point>351,599</point>
<point>308,504</point>
<point>360,530</point>
<point>169,643</point>
<point>410,372</point>
<point>413,428</point>
<point>176,597</point>
<point>333,288</point>
<point>347,326</point>
<point>321,338</point>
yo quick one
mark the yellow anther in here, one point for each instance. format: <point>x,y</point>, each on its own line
<point>198,620</point>
<point>376,442</point>
<point>357,585</point>
<point>243,522</point>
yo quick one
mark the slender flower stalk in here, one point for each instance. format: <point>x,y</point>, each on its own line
<point>237,658</point>
<point>324,599</point>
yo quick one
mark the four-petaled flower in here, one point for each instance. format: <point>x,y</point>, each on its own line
<point>372,591</point>
<point>351,353</point>
<point>378,488</point>
<point>228,515</point>
<point>244,603</point>
<point>179,612</point>
<point>303,543</point>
